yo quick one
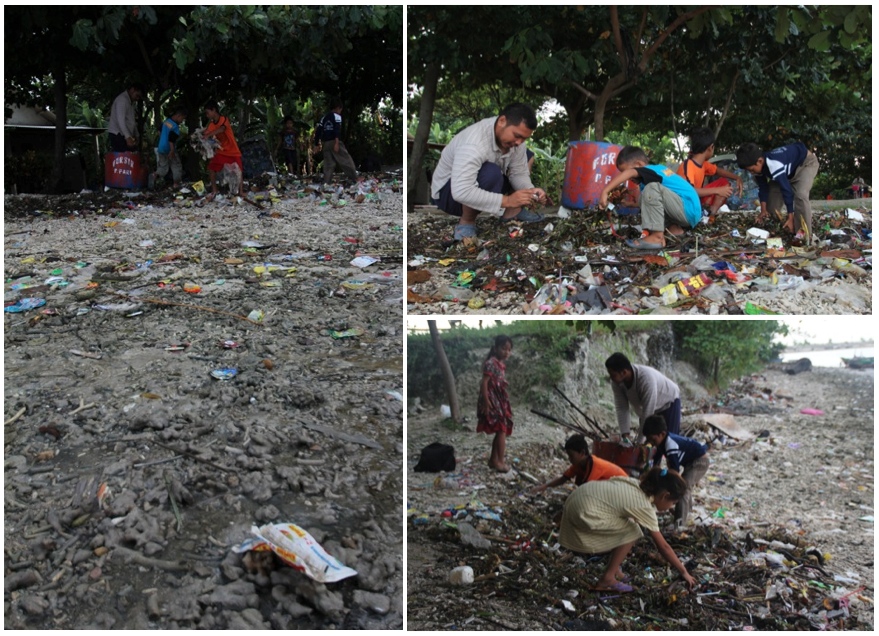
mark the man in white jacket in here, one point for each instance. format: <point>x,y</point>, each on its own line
<point>485,169</point>
<point>122,127</point>
<point>644,390</point>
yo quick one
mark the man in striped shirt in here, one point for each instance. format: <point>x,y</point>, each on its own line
<point>484,169</point>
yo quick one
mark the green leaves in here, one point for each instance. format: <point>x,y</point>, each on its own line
<point>820,41</point>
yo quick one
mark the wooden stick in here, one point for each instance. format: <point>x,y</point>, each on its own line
<point>156,301</point>
<point>140,559</point>
<point>16,416</point>
<point>82,406</point>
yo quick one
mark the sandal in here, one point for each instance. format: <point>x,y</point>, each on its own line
<point>619,587</point>
<point>526,216</point>
<point>641,244</point>
<point>464,231</point>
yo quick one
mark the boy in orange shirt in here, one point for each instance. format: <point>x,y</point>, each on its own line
<point>584,467</point>
<point>697,166</point>
<point>227,152</point>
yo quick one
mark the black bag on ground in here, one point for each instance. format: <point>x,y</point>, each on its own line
<point>435,458</point>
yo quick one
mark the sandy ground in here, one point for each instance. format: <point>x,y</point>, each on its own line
<point>112,384</point>
<point>810,477</point>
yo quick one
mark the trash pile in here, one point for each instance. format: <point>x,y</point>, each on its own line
<point>575,264</point>
<point>757,579</point>
<point>179,372</point>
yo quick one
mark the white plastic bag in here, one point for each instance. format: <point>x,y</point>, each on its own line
<point>298,549</point>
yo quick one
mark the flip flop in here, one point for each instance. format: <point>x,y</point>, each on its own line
<point>526,216</point>
<point>464,231</point>
<point>619,587</point>
<point>641,244</point>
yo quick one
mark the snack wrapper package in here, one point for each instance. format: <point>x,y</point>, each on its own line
<point>298,549</point>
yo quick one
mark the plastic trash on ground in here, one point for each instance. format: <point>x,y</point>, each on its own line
<point>298,549</point>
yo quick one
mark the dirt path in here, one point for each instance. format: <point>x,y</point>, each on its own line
<point>809,480</point>
<point>115,384</point>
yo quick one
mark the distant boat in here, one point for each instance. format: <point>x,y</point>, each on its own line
<point>858,362</point>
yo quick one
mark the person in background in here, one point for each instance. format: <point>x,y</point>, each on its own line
<point>287,143</point>
<point>493,411</point>
<point>227,151</point>
<point>122,128</point>
<point>166,152</point>
<point>328,136</point>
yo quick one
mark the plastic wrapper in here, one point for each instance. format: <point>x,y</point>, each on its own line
<point>298,549</point>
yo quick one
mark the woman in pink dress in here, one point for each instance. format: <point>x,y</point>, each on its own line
<point>493,411</point>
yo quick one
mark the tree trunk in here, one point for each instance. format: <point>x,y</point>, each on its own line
<point>422,133</point>
<point>446,369</point>
<point>59,76</point>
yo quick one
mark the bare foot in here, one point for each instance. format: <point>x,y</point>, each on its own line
<point>675,230</point>
<point>210,197</point>
<point>501,468</point>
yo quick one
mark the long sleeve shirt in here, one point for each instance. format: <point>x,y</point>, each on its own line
<point>329,128</point>
<point>462,159</point>
<point>679,451</point>
<point>650,393</point>
<point>780,165</point>
<point>122,116</point>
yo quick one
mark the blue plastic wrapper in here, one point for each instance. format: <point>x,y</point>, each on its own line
<point>25,304</point>
<point>224,374</point>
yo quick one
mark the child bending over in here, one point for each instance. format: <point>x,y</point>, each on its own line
<point>584,467</point>
<point>682,454</point>
<point>667,200</point>
<point>606,516</point>
<point>697,166</point>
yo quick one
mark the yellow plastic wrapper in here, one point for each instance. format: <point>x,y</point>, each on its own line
<point>298,549</point>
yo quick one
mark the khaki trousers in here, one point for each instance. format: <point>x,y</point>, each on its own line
<point>692,474</point>
<point>342,158</point>
<point>801,184</point>
<point>661,207</point>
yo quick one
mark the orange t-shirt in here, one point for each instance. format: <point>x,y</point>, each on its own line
<point>228,145</point>
<point>695,173</point>
<point>601,469</point>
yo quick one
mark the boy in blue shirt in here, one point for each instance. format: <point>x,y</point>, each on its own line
<point>682,454</point>
<point>784,175</point>
<point>667,200</point>
<point>166,152</point>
